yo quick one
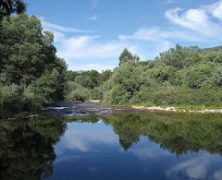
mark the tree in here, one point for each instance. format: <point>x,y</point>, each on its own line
<point>180,57</point>
<point>126,56</point>
<point>28,61</point>
<point>125,82</point>
<point>180,76</point>
<point>8,7</point>
<point>105,76</point>
<point>199,76</point>
<point>76,92</point>
<point>88,79</point>
<point>71,75</point>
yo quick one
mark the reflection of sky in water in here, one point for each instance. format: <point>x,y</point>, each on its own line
<point>201,166</point>
<point>83,137</point>
<point>92,151</point>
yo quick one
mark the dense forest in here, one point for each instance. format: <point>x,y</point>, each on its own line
<point>31,75</point>
<point>178,77</point>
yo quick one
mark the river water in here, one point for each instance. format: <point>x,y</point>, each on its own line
<point>84,141</point>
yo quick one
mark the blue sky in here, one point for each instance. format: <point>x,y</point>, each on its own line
<point>90,34</point>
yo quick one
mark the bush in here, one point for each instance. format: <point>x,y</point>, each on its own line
<point>11,98</point>
<point>76,92</point>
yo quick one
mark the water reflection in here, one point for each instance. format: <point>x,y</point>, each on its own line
<point>177,133</point>
<point>27,148</point>
<point>83,137</point>
<point>118,146</point>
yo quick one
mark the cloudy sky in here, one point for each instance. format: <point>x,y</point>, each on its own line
<point>90,34</point>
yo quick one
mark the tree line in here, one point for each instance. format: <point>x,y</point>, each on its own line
<point>181,76</point>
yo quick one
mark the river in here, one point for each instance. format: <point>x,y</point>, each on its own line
<point>88,141</point>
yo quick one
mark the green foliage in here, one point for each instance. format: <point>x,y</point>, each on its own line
<point>127,56</point>
<point>127,82</point>
<point>85,85</point>
<point>96,93</point>
<point>199,76</point>
<point>8,7</point>
<point>31,75</point>
<point>28,62</point>
<point>105,76</point>
<point>70,75</point>
<point>180,76</point>
<point>76,92</point>
<point>10,98</point>
<point>43,90</point>
<point>180,57</point>
<point>88,79</point>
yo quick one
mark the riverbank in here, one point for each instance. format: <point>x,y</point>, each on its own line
<point>96,108</point>
<point>178,109</point>
<point>20,116</point>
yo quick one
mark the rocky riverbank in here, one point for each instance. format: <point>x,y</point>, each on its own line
<point>174,109</point>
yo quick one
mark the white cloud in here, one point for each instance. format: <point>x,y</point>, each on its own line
<point>51,26</point>
<point>190,27</point>
<point>92,18</point>
<point>82,47</point>
<point>147,153</point>
<point>59,31</point>
<point>158,35</point>
<point>85,67</point>
<point>218,175</point>
<point>158,40</point>
<point>215,9</point>
<point>195,168</point>
<point>200,20</point>
<point>83,138</point>
<point>73,47</point>
<point>193,19</point>
<point>142,34</point>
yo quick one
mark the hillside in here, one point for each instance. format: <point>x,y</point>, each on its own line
<point>217,48</point>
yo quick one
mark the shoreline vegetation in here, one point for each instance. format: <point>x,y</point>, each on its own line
<point>182,79</point>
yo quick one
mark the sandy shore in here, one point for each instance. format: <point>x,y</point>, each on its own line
<point>173,109</point>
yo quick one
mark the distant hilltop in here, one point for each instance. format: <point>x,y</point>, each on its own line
<point>217,48</point>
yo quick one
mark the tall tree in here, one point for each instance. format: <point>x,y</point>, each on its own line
<point>30,71</point>
<point>126,56</point>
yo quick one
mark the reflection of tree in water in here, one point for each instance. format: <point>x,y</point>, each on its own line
<point>123,127</point>
<point>27,148</point>
<point>178,133</point>
<point>127,126</point>
<point>178,145</point>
